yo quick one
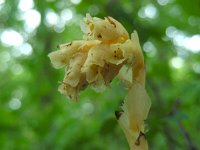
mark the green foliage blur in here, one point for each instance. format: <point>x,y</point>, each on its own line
<point>35,116</point>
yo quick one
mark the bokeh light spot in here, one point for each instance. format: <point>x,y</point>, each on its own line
<point>51,18</point>
<point>87,108</point>
<point>66,14</point>
<point>14,103</point>
<point>32,19</point>
<point>179,38</point>
<point>193,43</point>
<point>196,67</point>
<point>177,62</point>
<point>5,56</point>
<point>163,2</point>
<point>150,49</point>
<point>75,1</point>
<point>25,49</point>
<point>10,37</point>
<point>171,31</point>
<point>25,5</point>
<point>2,2</point>
<point>17,69</point>
<point>149,11</point>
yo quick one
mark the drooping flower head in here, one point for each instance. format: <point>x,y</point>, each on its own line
<point>96,59</point>
<point>105,52</point>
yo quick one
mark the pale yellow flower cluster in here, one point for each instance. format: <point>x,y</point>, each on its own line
<point>105,52</point>
<point>96,59</point>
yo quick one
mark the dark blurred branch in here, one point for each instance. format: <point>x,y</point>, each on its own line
<point>187,137</point>
<point>171,141</point>
<point>184,132</point>
<point>174,110</point>
<point>156,91</point>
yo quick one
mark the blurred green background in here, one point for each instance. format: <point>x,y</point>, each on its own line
<point>35,116</point>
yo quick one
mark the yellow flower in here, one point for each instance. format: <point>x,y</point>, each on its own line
<point>105,52</point>
<point>96,59</point>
